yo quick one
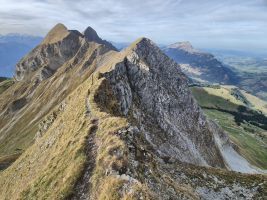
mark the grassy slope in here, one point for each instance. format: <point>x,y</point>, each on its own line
<point>210,97</point>
<point>251,139</point>
<point>50,168</point>
<point>5,84</point>
<point>256,102</point>
<point>19,128</point>
<point>225,92</point>
<point>253,73</point>
<point>6,160</point>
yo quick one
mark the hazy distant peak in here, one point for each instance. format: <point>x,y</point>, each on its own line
<point>186,46</point>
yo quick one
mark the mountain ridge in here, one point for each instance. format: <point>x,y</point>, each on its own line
<point>200,66</point>
<point>59,46</point>
<point>128,117</point>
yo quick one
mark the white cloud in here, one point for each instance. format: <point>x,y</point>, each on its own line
<point>206,23</point>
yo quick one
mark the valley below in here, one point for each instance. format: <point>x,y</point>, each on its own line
<point>244,122</point>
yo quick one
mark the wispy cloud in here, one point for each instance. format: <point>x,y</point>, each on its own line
<point>207,23</point>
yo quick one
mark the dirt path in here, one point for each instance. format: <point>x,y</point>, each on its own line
<point>83,186</point>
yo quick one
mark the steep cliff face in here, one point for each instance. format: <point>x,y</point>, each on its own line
<point>121,125</point>
<point>152,89</point>
<point>153,92</point>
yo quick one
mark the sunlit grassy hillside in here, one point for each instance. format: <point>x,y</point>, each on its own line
<point>246,127</point>
<point>4,84</point>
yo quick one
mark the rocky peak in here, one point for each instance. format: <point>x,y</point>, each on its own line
<point>152,87</point>
<point>57,33</point>
<point>141,46</point>
<point>91,35</point>
<point>142,43</point>
<point>59,46</point>
<point>145,48</point>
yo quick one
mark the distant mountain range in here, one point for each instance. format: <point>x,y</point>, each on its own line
<point>12,48</point>
<point>227,67</point>
<point>221,67</point>
<point>236,53</point>
<point>200,66</point>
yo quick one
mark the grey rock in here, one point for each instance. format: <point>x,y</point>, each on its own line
<point>150,83</point>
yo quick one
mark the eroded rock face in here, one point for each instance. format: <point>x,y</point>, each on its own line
<point>153,92</point>
<point>152,89</point>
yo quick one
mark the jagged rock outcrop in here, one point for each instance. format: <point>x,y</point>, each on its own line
<point>200,66</point>
<point>59,46</point>
<point>114,125</point>
<point>153,87</point>
<point>91,35</point>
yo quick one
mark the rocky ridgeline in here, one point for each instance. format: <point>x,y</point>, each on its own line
<point>154,89</point>
<point>144,135</point>
<point>58,47</point>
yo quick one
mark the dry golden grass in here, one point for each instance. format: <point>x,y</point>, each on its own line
<point>18,128</point>
<point>256,102</point>
<point>223,92</point>
<point>50,167</point>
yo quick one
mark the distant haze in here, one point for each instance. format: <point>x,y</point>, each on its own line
<point>12,49</point>
<point>231,24</point>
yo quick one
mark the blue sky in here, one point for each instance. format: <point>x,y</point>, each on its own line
<point>233,24</point>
